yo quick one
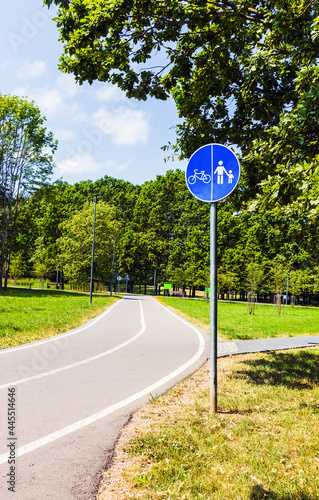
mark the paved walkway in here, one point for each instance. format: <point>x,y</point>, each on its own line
<point>228,347</point>
<point>74,392</point>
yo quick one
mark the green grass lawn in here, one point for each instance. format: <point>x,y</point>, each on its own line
<point>235,323</point>
<point>28,315</point>
<point>262,444</point>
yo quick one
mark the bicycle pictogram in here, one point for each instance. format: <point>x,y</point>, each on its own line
<point>201,176</point>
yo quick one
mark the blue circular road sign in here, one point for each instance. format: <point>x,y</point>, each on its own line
<point>212,173</point>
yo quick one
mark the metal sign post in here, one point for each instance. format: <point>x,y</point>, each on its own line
<point>213,308</point>
<point>113,267</point>
<point>213,173</point>
<point>154,288</point>
<point>92,260</point>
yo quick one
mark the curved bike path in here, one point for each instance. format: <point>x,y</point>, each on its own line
<point>74,392</point>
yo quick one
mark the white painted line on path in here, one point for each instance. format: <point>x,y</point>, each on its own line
<point>84,361</point>
<point>111,409</point>
<point>61,335</point>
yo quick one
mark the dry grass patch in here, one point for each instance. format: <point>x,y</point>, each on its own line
<point>117,481</point>
<point>263,443</point>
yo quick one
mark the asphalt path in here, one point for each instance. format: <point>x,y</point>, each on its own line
<point>68,397</point>
<point>227,347</point>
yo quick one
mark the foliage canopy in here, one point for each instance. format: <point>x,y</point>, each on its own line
<point>242,73</point>
<point>205,53</point>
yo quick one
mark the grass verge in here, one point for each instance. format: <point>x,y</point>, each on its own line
<point>234,322</point>
<point>29,315</point>
<point>262,444</point>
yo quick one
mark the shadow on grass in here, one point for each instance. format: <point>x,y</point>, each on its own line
<point>26,293</point>
<point>259,493</point>
<point>4,330</point>
<point>234,334</point>
<point>296,370</point>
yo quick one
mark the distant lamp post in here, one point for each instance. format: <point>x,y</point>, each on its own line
<point>113,267</point>
<point>91,284</point>
<point>154,289</point>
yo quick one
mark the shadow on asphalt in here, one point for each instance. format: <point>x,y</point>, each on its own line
<point>297,370</point>
<point>26,292</point>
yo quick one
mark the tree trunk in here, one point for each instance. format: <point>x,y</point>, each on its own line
<point>10,244</point>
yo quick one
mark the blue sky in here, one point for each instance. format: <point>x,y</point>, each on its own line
<point>100,131</point>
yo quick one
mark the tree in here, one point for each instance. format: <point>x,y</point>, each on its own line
<point>255,275</point>
<point>75,243</point>
<point>44,263</point>
<point>226,281</point>
<point>26,162</point>
<point>279,272</point>
<point>18,266</point>
<point>49,206</point>
<point>295,283</point>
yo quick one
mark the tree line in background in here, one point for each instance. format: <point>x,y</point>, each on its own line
<point>161,225</point>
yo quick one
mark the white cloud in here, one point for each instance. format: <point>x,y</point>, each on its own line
<point>64,135</point>
<point>54,98</point>
<point>6,64</point>
<point>31,71</point>
<point>110,94</point>
<point>113,166</point>
<point>125,126</point>
<point>21,92</point>
<point>53,102</point>
<point>50,101</point>
<point>67,85</point>
<point>85,165</point>
<point>78,164</point>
